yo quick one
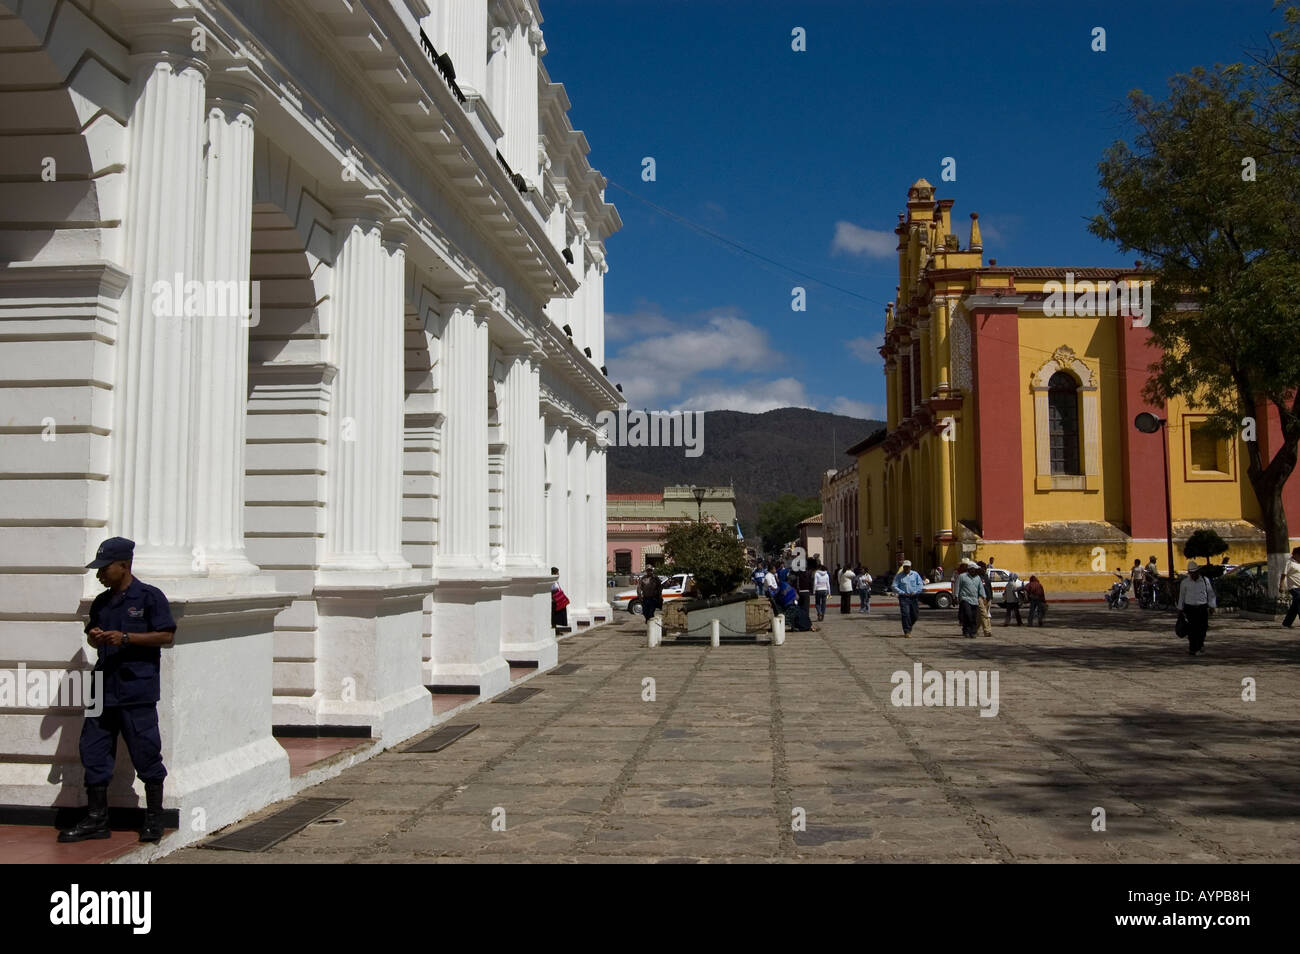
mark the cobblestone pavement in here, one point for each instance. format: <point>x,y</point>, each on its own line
<point>1101,709</point>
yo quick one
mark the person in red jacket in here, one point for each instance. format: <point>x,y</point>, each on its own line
<point>1037,600</point>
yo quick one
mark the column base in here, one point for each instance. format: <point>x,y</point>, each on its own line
<point>526,634</point>
<point>466,639</point>
<point>368,658</point>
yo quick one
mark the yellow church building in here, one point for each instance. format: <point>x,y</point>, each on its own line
<point>1012,394</point>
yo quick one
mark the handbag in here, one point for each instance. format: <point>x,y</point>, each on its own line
<point>561,601</point>
<point>1180,626</point>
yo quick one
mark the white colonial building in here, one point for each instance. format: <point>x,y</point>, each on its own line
<point>353,491</point>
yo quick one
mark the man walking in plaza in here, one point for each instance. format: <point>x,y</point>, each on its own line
<point>968,590</point>
<point>1290,584</point>
<point>986,600</point>
<point>1195,600</point>
<point>908,585</point>
<point>1037,600</point>
<point>129,623</point>
<point>650,592</point>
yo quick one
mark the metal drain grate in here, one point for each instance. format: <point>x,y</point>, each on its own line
<point>274,829</point>
<point>442,738</point>
<point>516,696</point>
<point>565,669</point>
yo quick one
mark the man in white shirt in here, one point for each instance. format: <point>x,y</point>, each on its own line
<point>1290,583</point>
<point>1195,600</point>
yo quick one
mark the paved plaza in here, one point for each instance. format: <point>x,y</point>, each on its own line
<point>767,753</point>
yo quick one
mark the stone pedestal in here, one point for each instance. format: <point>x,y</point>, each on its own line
<point>526,634</point>
<point>368,662</point>
<point>466,639</point>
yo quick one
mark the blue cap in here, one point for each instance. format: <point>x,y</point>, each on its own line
<point>112,550</point>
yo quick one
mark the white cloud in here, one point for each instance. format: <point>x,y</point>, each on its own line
<point>623,326</point>
<point>655,370</point>
<point>850,407</point>
<point>853,239</point>
<point>865,349</point>
<point>754,397</point>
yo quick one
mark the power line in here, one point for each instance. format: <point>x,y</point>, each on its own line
<point>738,247</point>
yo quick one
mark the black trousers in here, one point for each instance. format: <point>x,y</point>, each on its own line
<point>968,614</point>
<point>846,602</point>
<point>138,725</point>
<point>1198,624</point>
<point>1012,608</point>
<point>1293,610</point>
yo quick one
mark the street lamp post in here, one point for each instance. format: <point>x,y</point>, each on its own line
<point>698,493</point>
<point>1148,423</point>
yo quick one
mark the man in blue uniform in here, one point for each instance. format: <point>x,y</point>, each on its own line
<point>129,623</point>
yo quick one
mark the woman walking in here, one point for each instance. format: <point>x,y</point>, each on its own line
<point>1195,600</point>
<point>864,589</point>
<point>846,591</point>
<point>821,590</point>
<point>559,602</point>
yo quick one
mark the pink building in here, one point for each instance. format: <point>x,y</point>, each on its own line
<point>636,524</point>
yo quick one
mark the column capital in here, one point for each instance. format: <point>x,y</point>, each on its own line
<point>232,85</point>
<point>367,211</point>
<point>178,39</point>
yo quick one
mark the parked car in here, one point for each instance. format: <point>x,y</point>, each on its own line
<point>674,588</point>
<point>1245,587</point>
<point>939,595</point>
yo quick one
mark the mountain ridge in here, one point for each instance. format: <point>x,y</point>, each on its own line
<point>784,450</point>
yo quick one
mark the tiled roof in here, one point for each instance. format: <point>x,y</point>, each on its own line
<point>814,519</point>
<point>1043,271</point>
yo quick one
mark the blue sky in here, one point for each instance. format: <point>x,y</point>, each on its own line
<point>783,151</point>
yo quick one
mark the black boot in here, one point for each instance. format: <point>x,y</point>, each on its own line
<point>95,824</point>
<point>152,830</point>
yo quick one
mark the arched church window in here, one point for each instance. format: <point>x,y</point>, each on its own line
<point>1063,422</point>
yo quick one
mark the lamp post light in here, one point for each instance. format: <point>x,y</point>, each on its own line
<point>698,493</point>
<point>1148,423</point>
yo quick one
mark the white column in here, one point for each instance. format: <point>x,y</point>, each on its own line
<point>463,501</point>
<point>557,542</point>
<point>524,499</point>
<point>390,396</point>
<point>497,77</point>
<point>579,542</point>
<point>460,29</point>
<point>221,371</point>
<point>521,125</point>
<point>596,529</point>
<point>356,483</point>
<point>537,478</point>
<point>597,326</point>
<point>153,399</point>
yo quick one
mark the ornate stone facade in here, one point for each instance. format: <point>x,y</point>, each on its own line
<point>355,488</point>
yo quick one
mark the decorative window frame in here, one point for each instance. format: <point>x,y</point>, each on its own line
<point>1064,359</point>
<point>1188,421</point>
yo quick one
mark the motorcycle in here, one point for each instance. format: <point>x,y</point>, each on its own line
<point>1117,595</point>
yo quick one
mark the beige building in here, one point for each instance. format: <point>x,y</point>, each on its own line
<point>840,516</point>
<point>636,524</point>
<point>811,537</point>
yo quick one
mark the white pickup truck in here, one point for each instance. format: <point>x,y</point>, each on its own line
<point>674,588</point>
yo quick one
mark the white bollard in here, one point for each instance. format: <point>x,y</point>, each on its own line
<point>778,630</point>
<point>654,632</point>
<point>715,633</point>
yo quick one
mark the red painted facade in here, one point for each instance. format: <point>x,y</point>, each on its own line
<point>995,346</point>
<point>1144,469</point>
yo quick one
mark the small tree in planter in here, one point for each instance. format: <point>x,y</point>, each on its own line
<point>711,552</point>
<point>1202,545</point>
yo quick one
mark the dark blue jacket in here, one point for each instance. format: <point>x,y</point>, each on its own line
<point>131,673</point>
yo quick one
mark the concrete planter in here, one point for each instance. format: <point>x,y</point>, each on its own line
<point>691,615</point>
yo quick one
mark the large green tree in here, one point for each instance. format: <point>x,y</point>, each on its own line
<point>1209,195</point>
<point>710,551</point>
<point>779,519</point>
